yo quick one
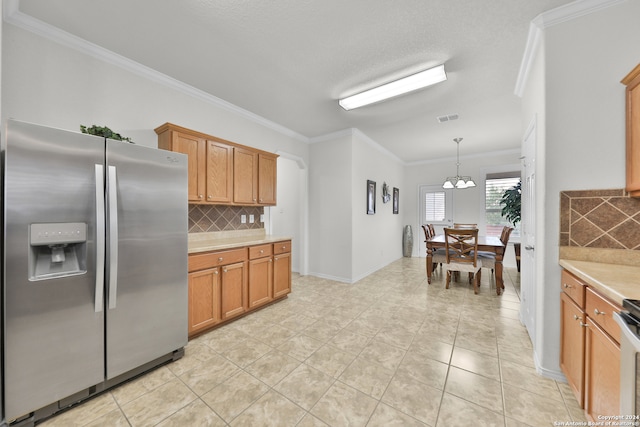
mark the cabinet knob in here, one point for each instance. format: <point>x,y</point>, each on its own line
<point>224,270</point>
<point>284,247</point>
<point>260,200</point>
<point>566,286</point>
<point>270,260</point>
<point>584,325</point>
<point>576,317</point>
<point>276,258</point>
<point>220,259</point>
<point>596,311</point>
<point>254,200</point>
<point>209,197</point>
<point>261,251</point>
<point>200,196</point>
<point>215,272</point>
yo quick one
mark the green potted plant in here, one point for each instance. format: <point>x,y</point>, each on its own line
<point>511,199</point>
<point>104,131</point>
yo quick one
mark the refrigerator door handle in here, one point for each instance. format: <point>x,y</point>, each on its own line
<point>113,237</point>
<point>100,237</point>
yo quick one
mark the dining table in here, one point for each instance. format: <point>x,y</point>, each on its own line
<point>485,243</point>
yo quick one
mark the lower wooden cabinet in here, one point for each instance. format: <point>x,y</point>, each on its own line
<point>204,301</point>
<point>589,347</point>
<point>228,283</point>
<point>233,290</point>
<point>572,344</point>
<point>602,373</point>
<point>261,286</point>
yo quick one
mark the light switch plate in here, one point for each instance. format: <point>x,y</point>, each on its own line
<point>261,217</point>
<point>243,219</point>
<point>252,219</point>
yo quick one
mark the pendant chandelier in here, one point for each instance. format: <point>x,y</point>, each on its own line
<point>458,181</point>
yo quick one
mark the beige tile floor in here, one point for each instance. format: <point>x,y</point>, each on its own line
<point>390,350</point>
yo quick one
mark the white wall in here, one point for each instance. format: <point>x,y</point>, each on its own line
<point>584,144</point>
<point>330,209</point>
<point>286,216</point>
<point>50,84</point>
<point>377,239</point>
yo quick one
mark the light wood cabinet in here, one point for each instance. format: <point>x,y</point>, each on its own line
<point>219,172</point>
<point>229,283</point>
<point>589,347</point>
<point>204,299</point>
<point>602,373</point>
<point>572,345</point>
<point>245,176</point>
<point>195,149</point>
<point>632,100</point>
<point>260,275</point>
<point>267,179</point>
<point>281,269</point>
<point>222,172</point>
<point>233,290</point>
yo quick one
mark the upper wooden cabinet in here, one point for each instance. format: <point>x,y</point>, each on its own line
<point>632,81</point>
<point>222,172</point>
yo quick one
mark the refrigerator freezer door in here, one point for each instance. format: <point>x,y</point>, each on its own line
<point>53,336</point>
<point>147,313</point>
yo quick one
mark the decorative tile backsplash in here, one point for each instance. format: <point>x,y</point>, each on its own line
<point>208,218</point>
<point>607,219</point>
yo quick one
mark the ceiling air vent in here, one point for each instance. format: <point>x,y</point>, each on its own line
<point>446,118</point>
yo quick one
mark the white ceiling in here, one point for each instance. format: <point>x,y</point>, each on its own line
<point>290,60</point>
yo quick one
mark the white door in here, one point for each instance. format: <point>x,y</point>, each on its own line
<point>528,254</point>
<point>435,207</point>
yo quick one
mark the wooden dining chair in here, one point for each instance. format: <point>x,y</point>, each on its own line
<point>461,245</point>
<point>438,255</point>
<point>489,258</point>
<point>462,225</point>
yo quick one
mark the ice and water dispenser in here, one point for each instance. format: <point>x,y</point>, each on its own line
<point>57,250</point>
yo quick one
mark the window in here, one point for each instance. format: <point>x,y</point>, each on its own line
<point>434,207</point>
<point>495,186</point>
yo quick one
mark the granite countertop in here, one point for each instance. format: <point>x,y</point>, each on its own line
<point>615,281</point>
<point>204,242</point>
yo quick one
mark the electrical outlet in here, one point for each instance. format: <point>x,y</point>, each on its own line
<point>251,219</point>
<point>261,217</point>
<point>243,219</point>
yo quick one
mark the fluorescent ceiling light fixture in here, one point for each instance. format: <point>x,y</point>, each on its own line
<point>398,87</point>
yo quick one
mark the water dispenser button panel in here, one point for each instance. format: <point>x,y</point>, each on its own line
<point>58,233</point>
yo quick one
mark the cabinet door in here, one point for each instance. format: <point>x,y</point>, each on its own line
<point>281,275</point>
<point>245,176</point>
<point>194,148</point>
<point>267,179</point>
<point>233,286</point>
<point>260,281</point>
<point>219,172</point>
<point>572,344</point>
<point>204,299</point>
<point>632,80</point>
<point>602,373</point>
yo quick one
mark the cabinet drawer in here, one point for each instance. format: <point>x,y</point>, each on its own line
<point>601,312</point>
<point>214,259</point>
<point>260,251</point>
<point>282,247</point>
<point>573,287</point>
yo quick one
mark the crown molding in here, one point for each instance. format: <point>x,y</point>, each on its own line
<point>13,16</point>
<point>548,19</point>
<point>513,151</point>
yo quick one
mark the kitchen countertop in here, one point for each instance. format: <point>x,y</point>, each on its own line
<point>204,242</point>
<point>615,281</point>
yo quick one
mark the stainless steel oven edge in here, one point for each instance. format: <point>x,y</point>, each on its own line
<point>629,373</point>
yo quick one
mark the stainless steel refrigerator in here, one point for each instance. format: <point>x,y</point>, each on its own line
<point>94,265</point>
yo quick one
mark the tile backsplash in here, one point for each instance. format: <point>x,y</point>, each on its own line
<point>209,218</point>
<point>607,219</point>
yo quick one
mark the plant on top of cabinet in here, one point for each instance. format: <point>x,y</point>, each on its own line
<point>104,131</point>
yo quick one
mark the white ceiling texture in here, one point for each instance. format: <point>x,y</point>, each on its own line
<point>289,61</point>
